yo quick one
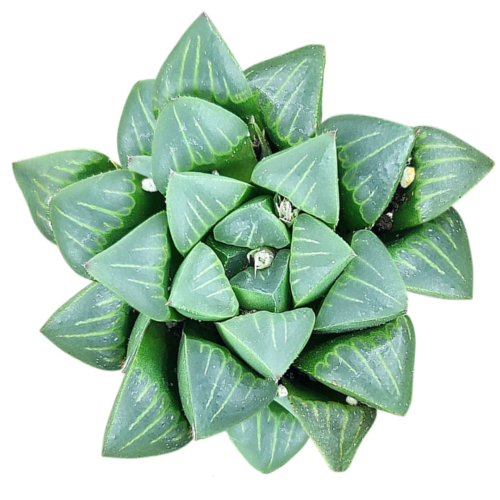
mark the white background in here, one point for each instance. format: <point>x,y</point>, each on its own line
<point>67,69</point>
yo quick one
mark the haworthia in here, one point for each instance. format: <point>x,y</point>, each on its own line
<point>196,202</point>
<point>306,175</point>
<point>253,225</point>
<point>197,135</point>
<point>446,168</point>
<point>137,267</point>
<point>41,178</point>
<point>372,154</point>
<point>318,256</point>
<point>147,417</point>
<point>374,366</point>
<point>137,123</point>
<point>434,258</point>
<point>269,439</point>
<point>289,90</point>
<point>266,289</point>
<point>201,65</point>
<point>93,326</point>
<point>217,390</point>
<point>91,215</point>
<point>336,428</point>
<point>200,289</point>
<point>269,342</point>
<point>368,293</point>
<point>233,259</point>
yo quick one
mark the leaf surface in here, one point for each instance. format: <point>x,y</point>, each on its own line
<point>142,165</point>
<point>233,259</point>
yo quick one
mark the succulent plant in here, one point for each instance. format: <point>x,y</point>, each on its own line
<point>249,263</point>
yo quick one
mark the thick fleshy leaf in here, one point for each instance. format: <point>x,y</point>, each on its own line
<point>147,417</point>
<point>93,326</point>
<point>336,428</point>
<point>368,293</point>
<point>140,326</point>
<point>265,289</point>
<point>306,175</point>
<point>374,366</point>
<point>197,135</point>
<point>253,225</point>
<point>289,90</point>
<point>200,289</point>
<point>141,165</point>
<point>269,342</point>
<point>269,439</point>
<point>90,215</point>
<point>43,177</point>
<point>446,168</point>
<point>201,65</point>
<point>434,258</point>
<point>217,390</point>
<point>317,257</point>
<point>202,330</point>
<point>137,267</point>
<point>137,123</point>
<point>233,259</point>
<point>196,202</point>
<point>372,154</point>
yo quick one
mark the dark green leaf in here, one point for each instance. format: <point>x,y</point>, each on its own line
<point>234,259</point>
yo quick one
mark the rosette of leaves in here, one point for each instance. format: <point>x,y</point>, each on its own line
<point>248,263</point>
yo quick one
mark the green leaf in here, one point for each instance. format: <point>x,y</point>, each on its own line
<point>253,225</point>
<point>233,259</point>
<point>306,175</point>
<point>137,123</point>
<point>265,289</point>
<point>337,429</point>
<point>434,258</point>
<point>140,326</point>
<point>196,202</point>
<point>217,390</point>
<point>269,439</point>
<point>289,90</point>
<point>318,256</point>
<point>43,177</point>
<point>374,366</point>
<point>202,330</point>
<point>446,168</point>
<point>372,154</point>
<point>147,417</point>
<point>201,290</point>
<point>201,65</point>
<point>368,293</point>
<point>137,267</point>
<point>196,135</point>
<point>142,165</point>
<point>269,342</point>
<point>90,215</point>
<point>93,326</point>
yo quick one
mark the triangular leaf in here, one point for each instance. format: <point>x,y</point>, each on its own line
<point>368,293</point>
<point>372,154</point>
<point>446,168</point>
<point>336,428</point>
<point>434,258</point>
<point>93,326</point>
<point>374,366</point>
<point>196,202</point>
<point>137,267</point>
<point>234,259</point>
<point>289,91</point>
<point>90,215</point>
<point>141,165</point>
<point>201,290</point>
<point>306,175</point>
<point>317,257</point>
<point>196,135</point>
<point>42,177</point>
<point>269,342</point>
<point>201,65</point>
<point>269,439</point>
<point>147,417</point>
<point>266,289</point>
<point>253,225</point>
<point>217,390</point>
